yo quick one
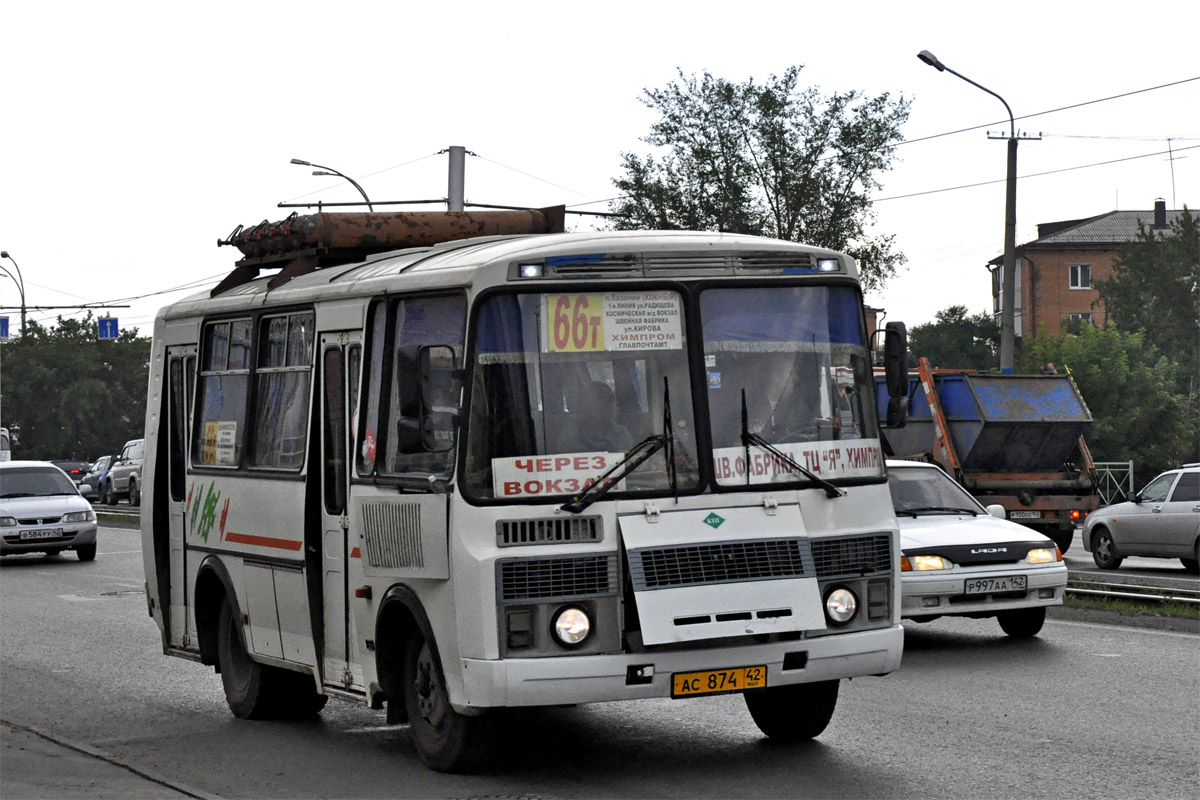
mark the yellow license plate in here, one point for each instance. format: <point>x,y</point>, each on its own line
<point>718,681</point>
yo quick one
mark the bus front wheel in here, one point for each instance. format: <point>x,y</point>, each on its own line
<point>244,679</point>
<point>446,740</point>
<point>793,713</point>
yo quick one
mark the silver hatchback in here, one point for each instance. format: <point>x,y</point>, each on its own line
<point>41,511</point>
<point>1160,521</point>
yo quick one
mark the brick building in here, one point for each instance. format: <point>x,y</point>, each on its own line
<point>1056,272</point>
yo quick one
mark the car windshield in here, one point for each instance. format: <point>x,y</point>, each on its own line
<point>920,490</point>
<point>34,482</point>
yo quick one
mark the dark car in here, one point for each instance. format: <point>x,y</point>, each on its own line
<point>75,469</point>
<point>93,482</point>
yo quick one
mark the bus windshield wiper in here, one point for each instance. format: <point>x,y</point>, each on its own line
<point>750,438</point>
<point>634,458</point>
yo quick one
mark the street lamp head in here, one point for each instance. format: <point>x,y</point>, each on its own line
<point>930,59</point>
<point>4,254</point>
<point>301,163</point>
<point>326,172</point>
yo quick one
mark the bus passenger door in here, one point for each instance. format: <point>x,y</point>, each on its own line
<point>341,359</point>
<point>181,382</point>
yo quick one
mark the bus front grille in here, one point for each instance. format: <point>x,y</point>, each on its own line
<point>720,562</point>
<point>841,556</point>
<point>552,578</point>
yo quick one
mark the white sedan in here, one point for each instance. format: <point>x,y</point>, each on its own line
<point>961,559</point>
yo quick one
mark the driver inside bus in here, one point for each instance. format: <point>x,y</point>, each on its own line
<point>598,427</point>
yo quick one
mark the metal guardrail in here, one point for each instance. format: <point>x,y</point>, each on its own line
<point>1152,594</point>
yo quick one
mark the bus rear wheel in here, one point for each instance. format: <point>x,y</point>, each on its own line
<point>793,713</point>
<point>445,740</point>
<point>258,691</point>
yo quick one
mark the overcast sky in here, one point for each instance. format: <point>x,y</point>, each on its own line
<point>136,134</point>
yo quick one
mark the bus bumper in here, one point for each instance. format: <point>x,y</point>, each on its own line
<point>570,680</point>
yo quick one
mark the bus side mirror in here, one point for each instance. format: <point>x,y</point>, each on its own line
<point>440,388</point>
<point>895,370</point>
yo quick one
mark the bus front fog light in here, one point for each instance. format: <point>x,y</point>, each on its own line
<point>841,605</point>
<point>572,625</point>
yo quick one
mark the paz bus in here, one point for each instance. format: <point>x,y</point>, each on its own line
<point>444,464</point>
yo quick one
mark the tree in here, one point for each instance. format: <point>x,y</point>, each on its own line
<point>1137,410</point>
<point>957,341</point>
<point>766,159</point>
<point>1155,288</point>
<point>69,395</point>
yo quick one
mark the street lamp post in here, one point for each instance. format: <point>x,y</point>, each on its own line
<point>331,171</point>
<point>19,281</point>
<point>1008,289</point>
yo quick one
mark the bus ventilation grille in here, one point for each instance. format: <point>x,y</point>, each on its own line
<point>842,556</point>
<point>514,532</point>
<point>392,534</point>
<point>557,578</point>
<point>719,562</point>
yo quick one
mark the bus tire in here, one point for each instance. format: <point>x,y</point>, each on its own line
<point>793,713</point>
<point>298,697</point>
<point>445,740</point>
<point>246,682</point>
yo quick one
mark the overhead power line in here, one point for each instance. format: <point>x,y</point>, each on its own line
<point>1031,175</point>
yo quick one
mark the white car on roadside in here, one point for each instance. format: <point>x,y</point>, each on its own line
<point>41,511</point>
<point>961,559</point>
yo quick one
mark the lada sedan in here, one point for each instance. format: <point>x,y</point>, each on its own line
<point>961,559</point>
<point>1160,521</point>
<point>41,510</point>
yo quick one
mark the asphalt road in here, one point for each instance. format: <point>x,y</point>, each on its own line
<point>1084,709</point>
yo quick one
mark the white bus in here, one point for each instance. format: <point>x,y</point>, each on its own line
<point>522,470</point>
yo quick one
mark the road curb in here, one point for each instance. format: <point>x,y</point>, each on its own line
<point>39,765</point>
<point>1106,617</point>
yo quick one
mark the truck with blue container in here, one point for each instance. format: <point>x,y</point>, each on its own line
<point>1010,439</point>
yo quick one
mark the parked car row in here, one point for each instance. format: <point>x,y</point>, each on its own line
<point>110,478</point>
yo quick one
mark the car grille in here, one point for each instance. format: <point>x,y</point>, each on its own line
<point>38,520</point>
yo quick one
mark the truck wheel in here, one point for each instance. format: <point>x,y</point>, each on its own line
<point>446,740</point>
<point>1022,623</point>
<point>793,713</point>
<point>1104,552</point>
<point>1063,536</point>
<point>135,496</point>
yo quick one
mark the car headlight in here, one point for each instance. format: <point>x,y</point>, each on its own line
<point>8,522</point>
<point>922,563</point>
<point>1043,555</point>
<point>572,626</point>
<point>80,516</point>
<point>840,605</point>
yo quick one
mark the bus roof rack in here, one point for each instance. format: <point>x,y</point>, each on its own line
<point>301,244</point>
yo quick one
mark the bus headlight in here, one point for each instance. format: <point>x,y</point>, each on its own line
<point>841,605</point>
<point>572,626</point>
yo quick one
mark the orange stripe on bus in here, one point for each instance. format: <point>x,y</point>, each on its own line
<point>262,541</point>
<point>356,553</point>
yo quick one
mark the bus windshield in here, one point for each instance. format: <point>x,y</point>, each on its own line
<point>790,366</point>
<point>566,383</point>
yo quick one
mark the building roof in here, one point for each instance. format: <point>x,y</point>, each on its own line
<point>1105,231</point>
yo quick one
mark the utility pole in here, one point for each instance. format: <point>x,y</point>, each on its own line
<point>457,178</point>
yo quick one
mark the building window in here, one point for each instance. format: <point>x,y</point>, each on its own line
<point>1085,317</point>
<point>1081,276</point>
